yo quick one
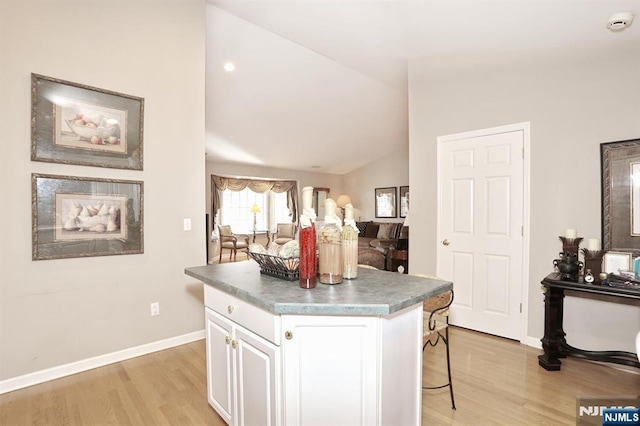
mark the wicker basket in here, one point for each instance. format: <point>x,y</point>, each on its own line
<point>275,266</point>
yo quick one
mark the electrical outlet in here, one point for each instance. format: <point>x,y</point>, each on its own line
<point>155,309</point>
<point>187,224</point>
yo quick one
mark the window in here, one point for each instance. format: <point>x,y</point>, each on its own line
<point>236,210</point>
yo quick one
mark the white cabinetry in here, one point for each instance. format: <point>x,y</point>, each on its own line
<point>267,369</point>
<point>243,369</point>
<point>353,370</point>
<point>330,367</point>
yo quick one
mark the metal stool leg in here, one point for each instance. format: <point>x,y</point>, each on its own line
<point>445,339</point>
<point>446,332</point>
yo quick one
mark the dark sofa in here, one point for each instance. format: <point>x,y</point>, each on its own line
<point>380,235</point>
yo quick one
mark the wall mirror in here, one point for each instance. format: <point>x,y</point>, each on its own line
<point>318,198</point>
<point>620,168</point>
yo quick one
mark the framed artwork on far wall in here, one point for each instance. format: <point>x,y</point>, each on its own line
<point>404,201</point>
<point>77,124</point>
<point>385,202</point>
<point>83,217</point>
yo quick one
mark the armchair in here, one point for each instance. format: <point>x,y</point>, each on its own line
<point>231,241</point>
<point>285,233</point>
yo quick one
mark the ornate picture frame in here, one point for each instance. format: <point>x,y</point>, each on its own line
<point>385,202</point>
<point>73,123</point>
<point>83,217</point>
<point>620,174</point>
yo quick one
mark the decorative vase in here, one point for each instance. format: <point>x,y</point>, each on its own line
<point>307,269</point>
<point>569,266</point>
<point>330,246</point>
<point>350,244</point>
<point>593,261</point>
<point>571,245</point>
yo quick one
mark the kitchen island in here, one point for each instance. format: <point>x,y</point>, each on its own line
<point>346,354</point>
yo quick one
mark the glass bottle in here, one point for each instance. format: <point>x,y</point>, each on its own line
<point>349,244</point>
<point>307,270</point>
<point>330,246</point>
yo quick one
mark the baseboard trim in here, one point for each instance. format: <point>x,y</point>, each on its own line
<point>533,342</point>
<point>53,373</point>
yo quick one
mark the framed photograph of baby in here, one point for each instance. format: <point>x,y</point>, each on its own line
<point>73,123</point>
<point>82,217</point>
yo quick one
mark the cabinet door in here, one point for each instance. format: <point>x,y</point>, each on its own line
<point>330,369</point>
<point>220,385</point>
<point>257,379</point>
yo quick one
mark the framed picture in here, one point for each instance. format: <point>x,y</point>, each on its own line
<point>614,262</point>
<point>385,202</point>
<point>620,167</point>
<point>82,217</point>
<point>404,201</point>
<point>77,124</point>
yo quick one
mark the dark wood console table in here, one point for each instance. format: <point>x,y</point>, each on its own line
<point>554,343</point>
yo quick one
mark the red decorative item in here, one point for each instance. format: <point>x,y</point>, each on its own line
<point>308,269</point>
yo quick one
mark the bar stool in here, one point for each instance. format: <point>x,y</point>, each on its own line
<point>436,322</point>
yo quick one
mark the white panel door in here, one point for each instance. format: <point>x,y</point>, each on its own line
<point>480,225</point>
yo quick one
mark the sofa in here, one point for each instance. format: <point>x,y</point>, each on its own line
<point>380,235</point>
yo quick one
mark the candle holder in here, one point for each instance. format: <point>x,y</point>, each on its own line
<point>571,245</point>
<point>593,261</point>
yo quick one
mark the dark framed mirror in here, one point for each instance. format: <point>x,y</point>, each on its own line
<point>620,174</point>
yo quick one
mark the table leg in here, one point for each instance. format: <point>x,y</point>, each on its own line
<point>554,335</point>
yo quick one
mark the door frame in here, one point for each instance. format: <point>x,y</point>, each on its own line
<point>524,127</point>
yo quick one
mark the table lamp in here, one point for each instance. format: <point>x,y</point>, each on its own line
<point>255,209</point>
<point>342,201</point>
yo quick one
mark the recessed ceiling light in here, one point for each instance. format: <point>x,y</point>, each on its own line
<point>619,21</point>
<point>229,67</point>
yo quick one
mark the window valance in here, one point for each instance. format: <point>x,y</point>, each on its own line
<point>219,184</point>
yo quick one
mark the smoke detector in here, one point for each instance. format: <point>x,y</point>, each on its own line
<point>619,21</point>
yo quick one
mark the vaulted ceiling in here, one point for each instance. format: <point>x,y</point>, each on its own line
<point>321,85</point>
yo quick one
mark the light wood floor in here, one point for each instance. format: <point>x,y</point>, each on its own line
<point>496,382</point>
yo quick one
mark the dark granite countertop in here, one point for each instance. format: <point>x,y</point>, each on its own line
<point>372,293</point>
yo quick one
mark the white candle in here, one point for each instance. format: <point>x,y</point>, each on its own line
<point>571,233</point>
<point>593,244</point>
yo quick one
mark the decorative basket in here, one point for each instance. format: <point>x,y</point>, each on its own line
<point>275,266</point>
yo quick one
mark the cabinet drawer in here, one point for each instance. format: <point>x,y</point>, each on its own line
<point>257,320</point>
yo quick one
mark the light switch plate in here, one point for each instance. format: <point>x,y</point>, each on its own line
<point>187,224</point>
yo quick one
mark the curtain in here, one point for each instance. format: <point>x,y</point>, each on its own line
<point>219,184</point>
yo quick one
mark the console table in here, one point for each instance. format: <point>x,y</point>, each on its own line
<point>262,231</point>
<point>554,343</point>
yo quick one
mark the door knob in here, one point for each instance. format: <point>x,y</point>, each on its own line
<point>446,242</point>
<point>288,335</point>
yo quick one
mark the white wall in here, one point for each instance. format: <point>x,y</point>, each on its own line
<point>390,171</point>
<point>573,104</point>
<point>55,312</point>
